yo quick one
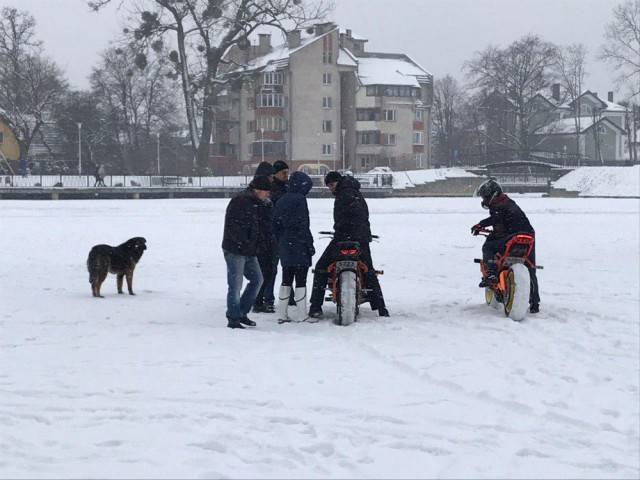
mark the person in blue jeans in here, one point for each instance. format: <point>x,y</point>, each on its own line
<point>240,246</point>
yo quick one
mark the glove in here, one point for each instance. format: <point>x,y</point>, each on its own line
<point>475,230</point>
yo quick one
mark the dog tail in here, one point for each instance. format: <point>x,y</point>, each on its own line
<point>91,265</point>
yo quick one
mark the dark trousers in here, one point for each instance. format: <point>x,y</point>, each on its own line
<point>496,245</point>
<point>321,276</point>
<point>269,268</point>
<point>297,273</point>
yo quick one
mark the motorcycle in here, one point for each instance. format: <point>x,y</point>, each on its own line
<point>513,287</point>
<point>346,284</point>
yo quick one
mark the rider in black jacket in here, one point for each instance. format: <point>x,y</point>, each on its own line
<point>507,220</point>
<point>351,223</point>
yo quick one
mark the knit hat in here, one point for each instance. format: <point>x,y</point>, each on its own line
<point>280,165</point>
<point>265,169</point>
<point>260,182</point>
<point>332,177</point>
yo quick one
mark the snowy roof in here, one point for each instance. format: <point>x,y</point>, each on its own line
<point>389,70</point>
<point>279,57</point>
<point>567,126</point>
<point>346,58</point>
<point>608,106</point>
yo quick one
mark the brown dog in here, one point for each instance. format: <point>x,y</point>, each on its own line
<point>120,260</point>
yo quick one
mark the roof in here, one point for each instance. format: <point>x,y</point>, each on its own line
<point>390,69</point>
<point>354,37</point>
<point>567,126</point>
<point>346,58</point>
<point>279,57</point>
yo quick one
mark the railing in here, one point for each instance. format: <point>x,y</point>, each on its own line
<point>156,181</point>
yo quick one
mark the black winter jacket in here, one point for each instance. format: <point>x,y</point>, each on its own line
<point>350,212</point>
<point>241,226</point>
<point>278,189</point>
<point>266,240</point>
<point>506,218</point>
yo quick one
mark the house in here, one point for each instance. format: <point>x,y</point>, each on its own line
<point>9,148</point>
<point>588,128</point>
<point>321,102</point>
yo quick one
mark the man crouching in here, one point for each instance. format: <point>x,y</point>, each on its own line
<point>239,244</point>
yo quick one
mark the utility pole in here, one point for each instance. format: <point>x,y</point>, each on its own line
<point>79,148</point>
<point>262,142</point>
<point>344,132</point>
<point>158,151</point>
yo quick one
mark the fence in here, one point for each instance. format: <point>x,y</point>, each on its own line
<point>154,181</point>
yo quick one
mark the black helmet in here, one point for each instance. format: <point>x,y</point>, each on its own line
<point>489,190</point>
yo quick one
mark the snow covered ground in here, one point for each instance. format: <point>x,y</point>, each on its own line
<point>602,181</point>
<point>156,386</point>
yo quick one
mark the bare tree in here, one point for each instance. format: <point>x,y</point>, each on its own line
<point>517,73</point>
<point>570,68</point>
<point>447,100</point>
<point>622,44</point>
<point>203,32</point>
<point>137,100</point>
<point>30,84</point>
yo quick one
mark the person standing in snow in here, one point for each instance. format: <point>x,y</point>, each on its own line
<point>266,246</point>
<point>295,245</point>
<point>507,220</point>
<point>351,223</point>
<point>240,246</point>
<point>280,179</point>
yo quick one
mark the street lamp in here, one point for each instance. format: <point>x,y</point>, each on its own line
<point>344,132</point>
<point>158,151</point>
<point>262,141</point>
<point>335,154</point>
<point>79,148</point>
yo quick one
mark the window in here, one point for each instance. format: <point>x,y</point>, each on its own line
<point>326,102</point>
<point>368,114</point>
<point>326,79</point>
<point>251,126</point>
<point>420,160</point>
<point>419,115</point>
<point>602,129</point>
<point>389,139</point>
<point>327,149</point>
<point>271,100</point>
<point>389,115</point>
<point>270,148</point>
<point>327,49</point>
<point>326,126</point>
<point>272,78</point>
<point>1,138</point>
<point>371,137</point>
<point>418,138</point>
<point>273,124</point>
<point>392,91</point>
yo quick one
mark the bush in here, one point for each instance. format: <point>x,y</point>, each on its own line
<point>58,184</point>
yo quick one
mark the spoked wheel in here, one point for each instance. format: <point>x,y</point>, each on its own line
<point>518,287</point>
<point>491,298</point>
<point>347,301</point>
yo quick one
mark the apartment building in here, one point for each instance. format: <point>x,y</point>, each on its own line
<point>321,102</point>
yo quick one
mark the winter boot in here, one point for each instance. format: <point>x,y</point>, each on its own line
<point>315,313</point>
<point>283,303</point>
<point>300,296</point>
<point>492,275</point>
<point>247,321</point>
<point>234,324</point>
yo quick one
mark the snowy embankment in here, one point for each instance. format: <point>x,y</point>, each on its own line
<point>412,178</point>
<point>156,386</point>
<point>602,181</point>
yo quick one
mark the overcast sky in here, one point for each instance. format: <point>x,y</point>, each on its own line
<point>439,34</point>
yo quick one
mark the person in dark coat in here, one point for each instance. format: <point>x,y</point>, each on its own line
<point>294,245</point>
<point>351,223</point>
<point>266,247</point>
<point>280,179</point>
<point>507,220</point>
<point>240,246</point>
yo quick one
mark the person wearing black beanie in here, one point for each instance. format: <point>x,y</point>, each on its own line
<point>264,302</point>
<point>266,169</point>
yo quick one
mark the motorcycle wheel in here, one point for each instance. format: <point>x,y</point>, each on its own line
<point>518,287</point>
<point>347,302</point>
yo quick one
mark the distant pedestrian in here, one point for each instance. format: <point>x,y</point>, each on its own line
<point>240,247</point>
<point>99,176</point>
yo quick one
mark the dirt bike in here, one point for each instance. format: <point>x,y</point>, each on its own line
<point>513,287</point>
<point>346,281</point>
